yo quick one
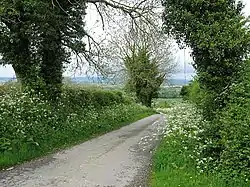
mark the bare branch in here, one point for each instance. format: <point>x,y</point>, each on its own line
<point>61,7</point>
<point>100,14</point>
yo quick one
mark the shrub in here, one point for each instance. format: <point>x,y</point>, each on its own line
<point>194,93</point>
<point>184,92</point>
<point>234,121</point>
<point>235,138</point>
<point>226,139</point>
<point>96,97</point>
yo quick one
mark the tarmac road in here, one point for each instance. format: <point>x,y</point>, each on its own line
<point>121,158</point>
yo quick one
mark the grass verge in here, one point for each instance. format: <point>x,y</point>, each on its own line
<point>174,162</point>
<point>173,168</point>
<point>76,129</point>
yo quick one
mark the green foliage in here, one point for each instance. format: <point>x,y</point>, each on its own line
<point>184,91</point>
<point>37,38</point>
<point>31,126</point>
<point>235,132</point>
<point>177,161</point>
<point>144,75</point>
<point>194,93</point>
<point>219,38</point>
<point>169,92</point>
<point>96,97</point>
<point>228,134</point>
<point>224,139</point>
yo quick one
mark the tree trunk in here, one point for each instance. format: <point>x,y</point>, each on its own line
<point>17,53</point>
<point>51,68</point>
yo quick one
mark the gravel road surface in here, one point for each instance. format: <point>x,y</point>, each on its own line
<point>117,159</point>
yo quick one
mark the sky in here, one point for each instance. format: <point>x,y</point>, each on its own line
<point>182,56</point>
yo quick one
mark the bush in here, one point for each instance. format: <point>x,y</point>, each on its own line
<point>235,138</point>
<point>184,92</point>
<point>226,139</point>
<point>96,97</point>
<point>194,93</point>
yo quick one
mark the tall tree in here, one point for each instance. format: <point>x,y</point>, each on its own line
<point>219,38</point>
<point>61,28</point>
<point>38,36</point>
<point>15,38</point>
<point>128,38</point>
<point>144,76</point>
<point>140,57</point>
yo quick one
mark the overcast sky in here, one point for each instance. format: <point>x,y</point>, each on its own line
<point>8,71</point>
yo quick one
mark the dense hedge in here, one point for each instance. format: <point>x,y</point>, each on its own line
<point>96,97</point>
<point>230,142</point>
<point>225,138</point>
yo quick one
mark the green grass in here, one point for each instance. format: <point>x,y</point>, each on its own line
<point>173,168</point>
<point>174,162</point>
<point>165,102</point>
<point>108,119</point>
<point>169,92</point>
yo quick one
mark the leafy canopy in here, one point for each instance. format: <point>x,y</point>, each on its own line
<point>218,35</point>
<point>144,75</point>
<point>37,37</point>
<point>216,32</point>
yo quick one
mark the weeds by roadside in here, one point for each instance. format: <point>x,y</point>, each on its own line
<point>177,161</point>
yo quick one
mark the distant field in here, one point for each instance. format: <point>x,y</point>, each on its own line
<point>166,102</point>
<point>170,92</point>
<point>165,92</point>
<point>98,80</point>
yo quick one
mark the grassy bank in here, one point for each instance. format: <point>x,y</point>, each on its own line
<point>175,162</point>
<point>31,127</point>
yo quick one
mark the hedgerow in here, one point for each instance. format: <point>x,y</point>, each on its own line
<point>229,133</point>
